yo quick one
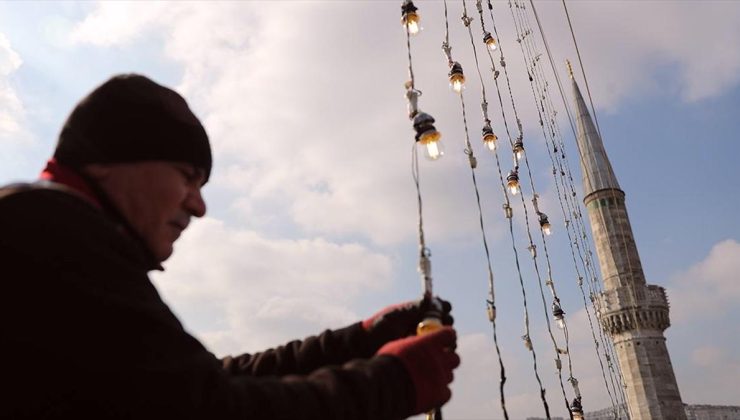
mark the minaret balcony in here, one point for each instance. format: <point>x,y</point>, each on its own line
<point>630,308</point>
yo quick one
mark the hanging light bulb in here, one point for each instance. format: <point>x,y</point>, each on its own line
<point>428,136</point>
<point>489,139</point>
<point>576,409</point>
<point>519,148</point>
<point>409,17</point>
<point>545,224</point>
<point>457,78</point>
<point>490,41</point>
<point>557,313</point>
<point>512,182</point>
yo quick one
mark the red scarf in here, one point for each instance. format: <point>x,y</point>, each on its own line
<point>60,174</point>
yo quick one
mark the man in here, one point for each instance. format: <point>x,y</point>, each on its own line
<point>85,333</point>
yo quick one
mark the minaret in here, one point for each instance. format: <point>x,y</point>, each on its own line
<point>634,313</point>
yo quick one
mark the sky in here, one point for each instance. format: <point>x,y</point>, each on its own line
<point>312,219</point>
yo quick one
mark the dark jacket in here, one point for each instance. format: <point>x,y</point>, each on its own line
<point>86,335</point>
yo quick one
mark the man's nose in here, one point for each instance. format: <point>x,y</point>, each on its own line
<point>195,203</point>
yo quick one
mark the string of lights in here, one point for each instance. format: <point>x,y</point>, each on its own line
<point>532,59</point>
<point>428,138</point>
<point>457,80</point>
<point>571,226</point>
<point>426,135</point>
<point>512,185</point>
<point>595,291</point>
<point>518,150</point>
<point>540,96</point>
<point>595,297</point>
<point>554,131</point>
<point>630,288</point>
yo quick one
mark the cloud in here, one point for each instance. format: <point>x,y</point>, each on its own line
<point>475,389</point>
<point>629,52</point>
<point>301,107</point>
<point>11,107</point>
<point>305,138</point>
<point>718,369</point>
<point>116,23</point>
<point>708,288</point>
<point>239,290</point>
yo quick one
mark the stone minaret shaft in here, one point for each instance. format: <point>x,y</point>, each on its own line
<point>634,313</point>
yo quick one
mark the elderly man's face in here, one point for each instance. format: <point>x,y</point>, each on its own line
<point>156,198</point>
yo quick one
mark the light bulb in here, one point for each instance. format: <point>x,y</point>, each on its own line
<point>489,139</point>
<point>409,17</point>
<point>433,150</point>
<point>576,409</point>
<point>545,224</point>
<point>457,78</point>
<point>457,84</point>
<point>557,313</point>
<point>519,149</point>
<point>513,182</point>
<point>490,41</point>
<point>412,23</point>
<point>428,136</point>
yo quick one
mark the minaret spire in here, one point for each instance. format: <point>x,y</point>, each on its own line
<point>597,170</point>
<point>632,312</point>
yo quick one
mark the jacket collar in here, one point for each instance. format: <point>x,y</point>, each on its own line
<point>90,192</point>
<point>60,174</point>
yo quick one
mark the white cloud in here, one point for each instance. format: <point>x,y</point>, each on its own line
<point>475,388</point>
<point>11,107</point>
<point>683,47</point>
<point>235,287</point>
<point>328,154</point>
<point>710,287</point>
<point>328,149</point>
<point>719,368</point>
<point>115,23</point>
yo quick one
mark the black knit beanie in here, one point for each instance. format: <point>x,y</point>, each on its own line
<point>130,118</point>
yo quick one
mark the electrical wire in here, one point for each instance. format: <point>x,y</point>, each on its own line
<point>578,218</point>
<point>540,99</point>
<point>630,286</point>
<point>532,246</point>
<point>491,302</point>
<point>509,214</point>
<point>583,71</point>
<point>412,95</point>
<point>530,50</point>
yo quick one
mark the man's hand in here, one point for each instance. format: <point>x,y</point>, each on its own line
<point>400,320</point>
<point>429,360</point>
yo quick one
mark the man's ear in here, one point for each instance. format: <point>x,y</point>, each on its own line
<point>97,171</point>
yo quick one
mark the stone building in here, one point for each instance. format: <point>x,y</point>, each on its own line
<point>693,412</point>
<point>712,412</point>
<point>633,313</point>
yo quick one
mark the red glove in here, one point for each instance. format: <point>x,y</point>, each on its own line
<point>429,360</point>
<point>400,320</point>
